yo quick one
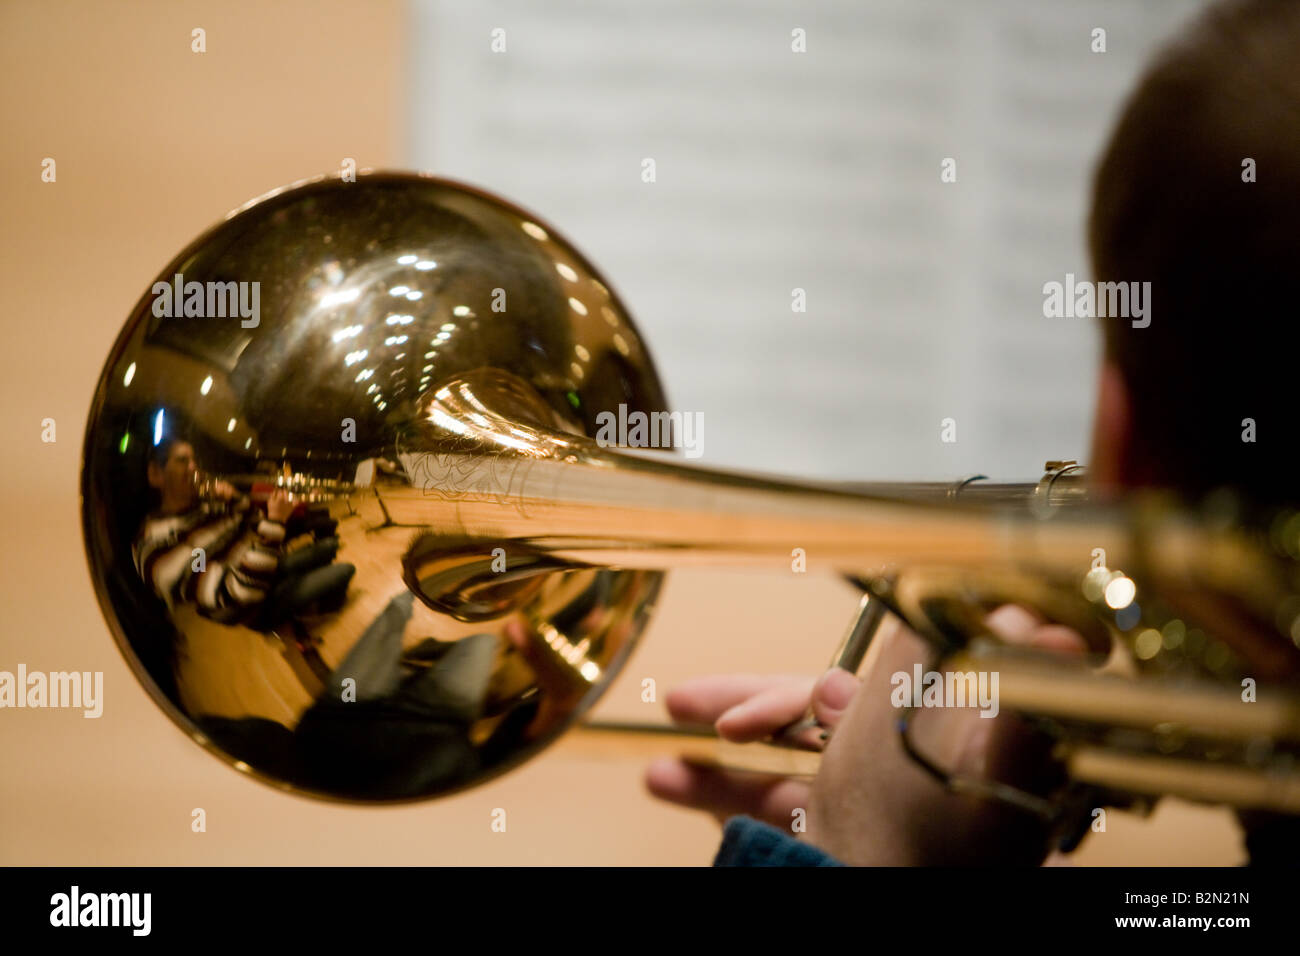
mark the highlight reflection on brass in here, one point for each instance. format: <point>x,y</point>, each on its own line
<point>365,547</point>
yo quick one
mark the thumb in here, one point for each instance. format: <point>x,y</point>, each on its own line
<point>832,694</point>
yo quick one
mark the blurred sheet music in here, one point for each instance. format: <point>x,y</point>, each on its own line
<point>820,171</point>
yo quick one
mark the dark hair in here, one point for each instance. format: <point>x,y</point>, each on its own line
<point>1172,205</point>
<point>160,452</point>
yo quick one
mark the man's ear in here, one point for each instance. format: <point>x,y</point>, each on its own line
<point>1112,431</point>
<point>155,475</point>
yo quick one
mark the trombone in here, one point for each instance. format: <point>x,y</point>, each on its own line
<point>462,340</point>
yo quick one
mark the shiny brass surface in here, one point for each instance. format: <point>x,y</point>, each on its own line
<point>424,377</point>
<point>373,296</point>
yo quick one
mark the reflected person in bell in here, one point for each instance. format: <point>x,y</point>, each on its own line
<point>215,552</point>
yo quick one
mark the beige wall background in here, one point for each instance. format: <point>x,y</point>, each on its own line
<point>153,143</point>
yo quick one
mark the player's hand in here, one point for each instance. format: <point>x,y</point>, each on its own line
<point>744,708</point>
<point>871,804</point>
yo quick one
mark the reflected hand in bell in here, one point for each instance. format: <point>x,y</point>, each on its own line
<point>745,708</point>
<point>279,507</point>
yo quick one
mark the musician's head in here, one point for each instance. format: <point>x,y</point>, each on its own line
<point>172,469</point>
<point>1198,193</point>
